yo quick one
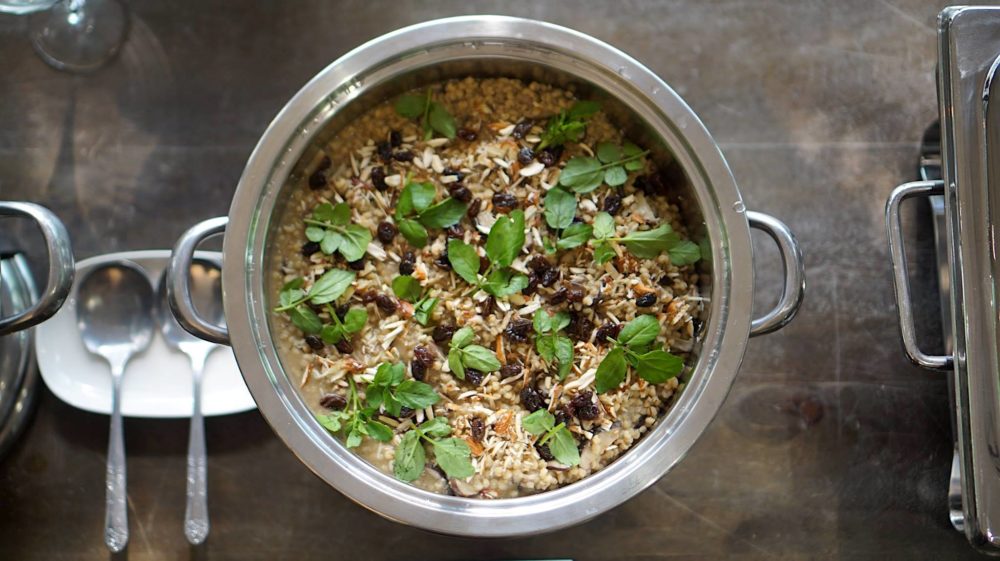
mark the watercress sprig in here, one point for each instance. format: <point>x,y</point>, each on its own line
<point>408,288</point>
<point>329,227</point>
<point>560,211</point>
<point>433,115</point>
<point>631,349</point>
<point>354,320</point>
<point>327,288</point>
<point>550,345</point>
<point>503,245</point>
<point>463,354</point>
<point>645,244</point>
<point>559,439</point>
<point>392,392</point>
<point>568,125</point>
<point>583,174</point>
<point>355,421</point>
<point>415,213</point>
<point>451,454</point>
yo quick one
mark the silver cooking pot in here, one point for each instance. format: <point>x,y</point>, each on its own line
<point>488,46</point>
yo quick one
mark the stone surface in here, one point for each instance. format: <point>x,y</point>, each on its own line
<point>830,446</point>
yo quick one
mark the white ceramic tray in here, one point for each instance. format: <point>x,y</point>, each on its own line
<point>157,382</point>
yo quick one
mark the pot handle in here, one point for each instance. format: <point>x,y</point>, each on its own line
<point>61,271</point>
<point>178,289</point>
<point>795,274</point>
<point>900,273</point>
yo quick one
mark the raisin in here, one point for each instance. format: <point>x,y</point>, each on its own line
<point>317,180</point>
<point>460,192</point>
<point>342,311</point>
<point>442,333</point>
<point>403,156</point>
<point>544,452</point>
<point>386,303</point>
<point>562,417</point>
<point>333,401</point>
<point>696,325</point>
<point>550,156</point>
<point>574,292</point>
<point>511,369</point>
<point>579,327</point>
<point>532,284</point>
<point>539,264</point>
<point>517,330</point>
<point>314,342</point>
<point>454,231</point>
<point>309,248</point>
<point>324,164</point>
<point>584,407</point>
<point>549,277</point>
<point>366,296</point>
<point>474,207</point>
<point>646,300</point>
<point>607,331</point>
<point>477,428</point>
<point>451,171</point>
<point>466,134</point>
<point>474,376</point>
<point>423,354</point>
<point>418,370</point>
<point>484,264</point>
<point>442,260</point>
<point>405,412</point>
<point>504,202</point>
<point>525,156</point>
<point>558,297</point>
<point>613,204</point>
<point>532,399</point>
<point>488,305</point>
<point>358,265</point>
<point>384,150</point>
<point>522,128</point>
<point>406,265</point>
<point>395,139</point>
<point>386,232</point>
<point>378,179</point>
<point>345,346</point>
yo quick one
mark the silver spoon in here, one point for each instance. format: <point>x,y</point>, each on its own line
<point>115,316</point>
<point>206,293</point>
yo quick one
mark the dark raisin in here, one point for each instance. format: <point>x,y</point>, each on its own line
<point>317,180</point>
<point>525,156</point>
<point>665,280</point>
<point>522,129</point>
<point>384,150</point>
<point>646,300</point>
<point>324,164</point>
<point>696,325</point>
<point>403,156</point>
<point>378,179</point>
<point>518,329</point>
<point>549,277</point>
<point>474,376</point>
<point>504,202</point>
<point>477,428</point>
<point>342,311</point>
<point>405,412</point>
<point>562,417</point>
<point>511,369</point>
<point>544,452</point>
<point>395,139</point>
<point>475,205</point>
<point>309,248</point>
<point>606,331</point>
<point>386,303</point>
<point>406,265</point>
<point>466,134</point>
<point>532,399</point>
<point>442,260</point>
<point>366,296</point>
<point>451,171</point>
<point>333,401</point>
<point>454,231</point>
<point>460,192</point>
<point>345,346</point>
<point>358,265</point>
<point>423,354</point>
<point>386,232</point>
<point>613,204</point>
<point>584,407</point>
<point>487,306</point>
<point>532,284</point>
<point>442,333</point>
<point>539,264</point>
<point>314,342</point>
<point>574,292</point>
<point>550,156</point>
<point>484,264</point>
<point>418,370</point>
<point>558,297</point>
<point>579,327</point>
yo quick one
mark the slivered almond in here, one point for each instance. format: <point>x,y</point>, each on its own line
<point>502,426</point>
<point>475,447</point>
<point>499,347</point>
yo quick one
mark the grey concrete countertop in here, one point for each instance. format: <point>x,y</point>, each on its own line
<point>830,446</point>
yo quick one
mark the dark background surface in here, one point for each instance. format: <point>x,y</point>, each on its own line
<point>819,108</point>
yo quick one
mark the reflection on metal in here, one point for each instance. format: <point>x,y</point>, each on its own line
<point>18,375</point>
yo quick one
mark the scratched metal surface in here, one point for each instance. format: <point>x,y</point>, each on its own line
<point>830,445</point>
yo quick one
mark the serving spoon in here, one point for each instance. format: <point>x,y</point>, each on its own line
<point>114,313</point>
<point>206,294</point>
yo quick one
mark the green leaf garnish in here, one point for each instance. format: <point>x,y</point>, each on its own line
<point>463,354</point>
<point>560,440</point>
<point>432,114</point>
<point>292,299</point>
<point>551,346</point>
<point>560,208</point>
<point>568,125</point>
<point>684,253</point>
<point>329,226</point>
<point>452,455</point>
<point>406,288</point>
<point>574,236</point>
<point>415,212</point>
<point>655,366</point>
<point>503,245</point>
<point>583,174</point>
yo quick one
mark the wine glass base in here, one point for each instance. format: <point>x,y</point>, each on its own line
<point>79,35</point>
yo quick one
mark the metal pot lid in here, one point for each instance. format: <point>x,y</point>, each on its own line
<point>18,375</point>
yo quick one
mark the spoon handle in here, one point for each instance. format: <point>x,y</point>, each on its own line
<point>116,511</point>
<point>196,513</point>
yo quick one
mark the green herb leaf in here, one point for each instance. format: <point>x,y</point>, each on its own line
<point>604,226</point>
<point>506,239</point>
<point>437,427</point>
<point>503,282</point>
<point>564,447</point>
<point>414,232</point>
<point>330,286</point>
<point>443,214</point>
<point>538,422</point>
<point>542,322</point>
<point>416,395</point>
<point>658,366</point>
<point>648,244</point>
<point>355,319</point>
<point>410,106</point>
<point>608,152</point>
<point>407,288</point>
<point>423,309</point>
<point>560,208</point>
<point>315,233</point>
<point>464,260</point>
<point>463,337</point>
<point>378,431</point>
<point>633,153</point>
<point>684,253</point>
<point>568,126</point>
<point>574,236</point>
<point>354,437</point>
<point>415,197</point>
<point>546,348</point>
<point>455,362</point>
<point>331,334</point>
<point>611,371</point>
<point>564,355</point>
<point>615,176</point>
<point>330,422</point>
<point>480,358</point>
<point>355,242</point>
<point>454,457</point>
<point>441,121</point>
<point>331,242</point>
<point>409,457</point>
<point>335,215</point>
<point>583,109</point>
<point>305,319</point>
<point>640,331</point>
<point>603,252</point>
<point>582,174</point>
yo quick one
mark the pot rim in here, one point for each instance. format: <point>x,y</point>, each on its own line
<point>641,466</point>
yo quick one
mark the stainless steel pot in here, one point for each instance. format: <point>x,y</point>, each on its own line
<point>488,45</point>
